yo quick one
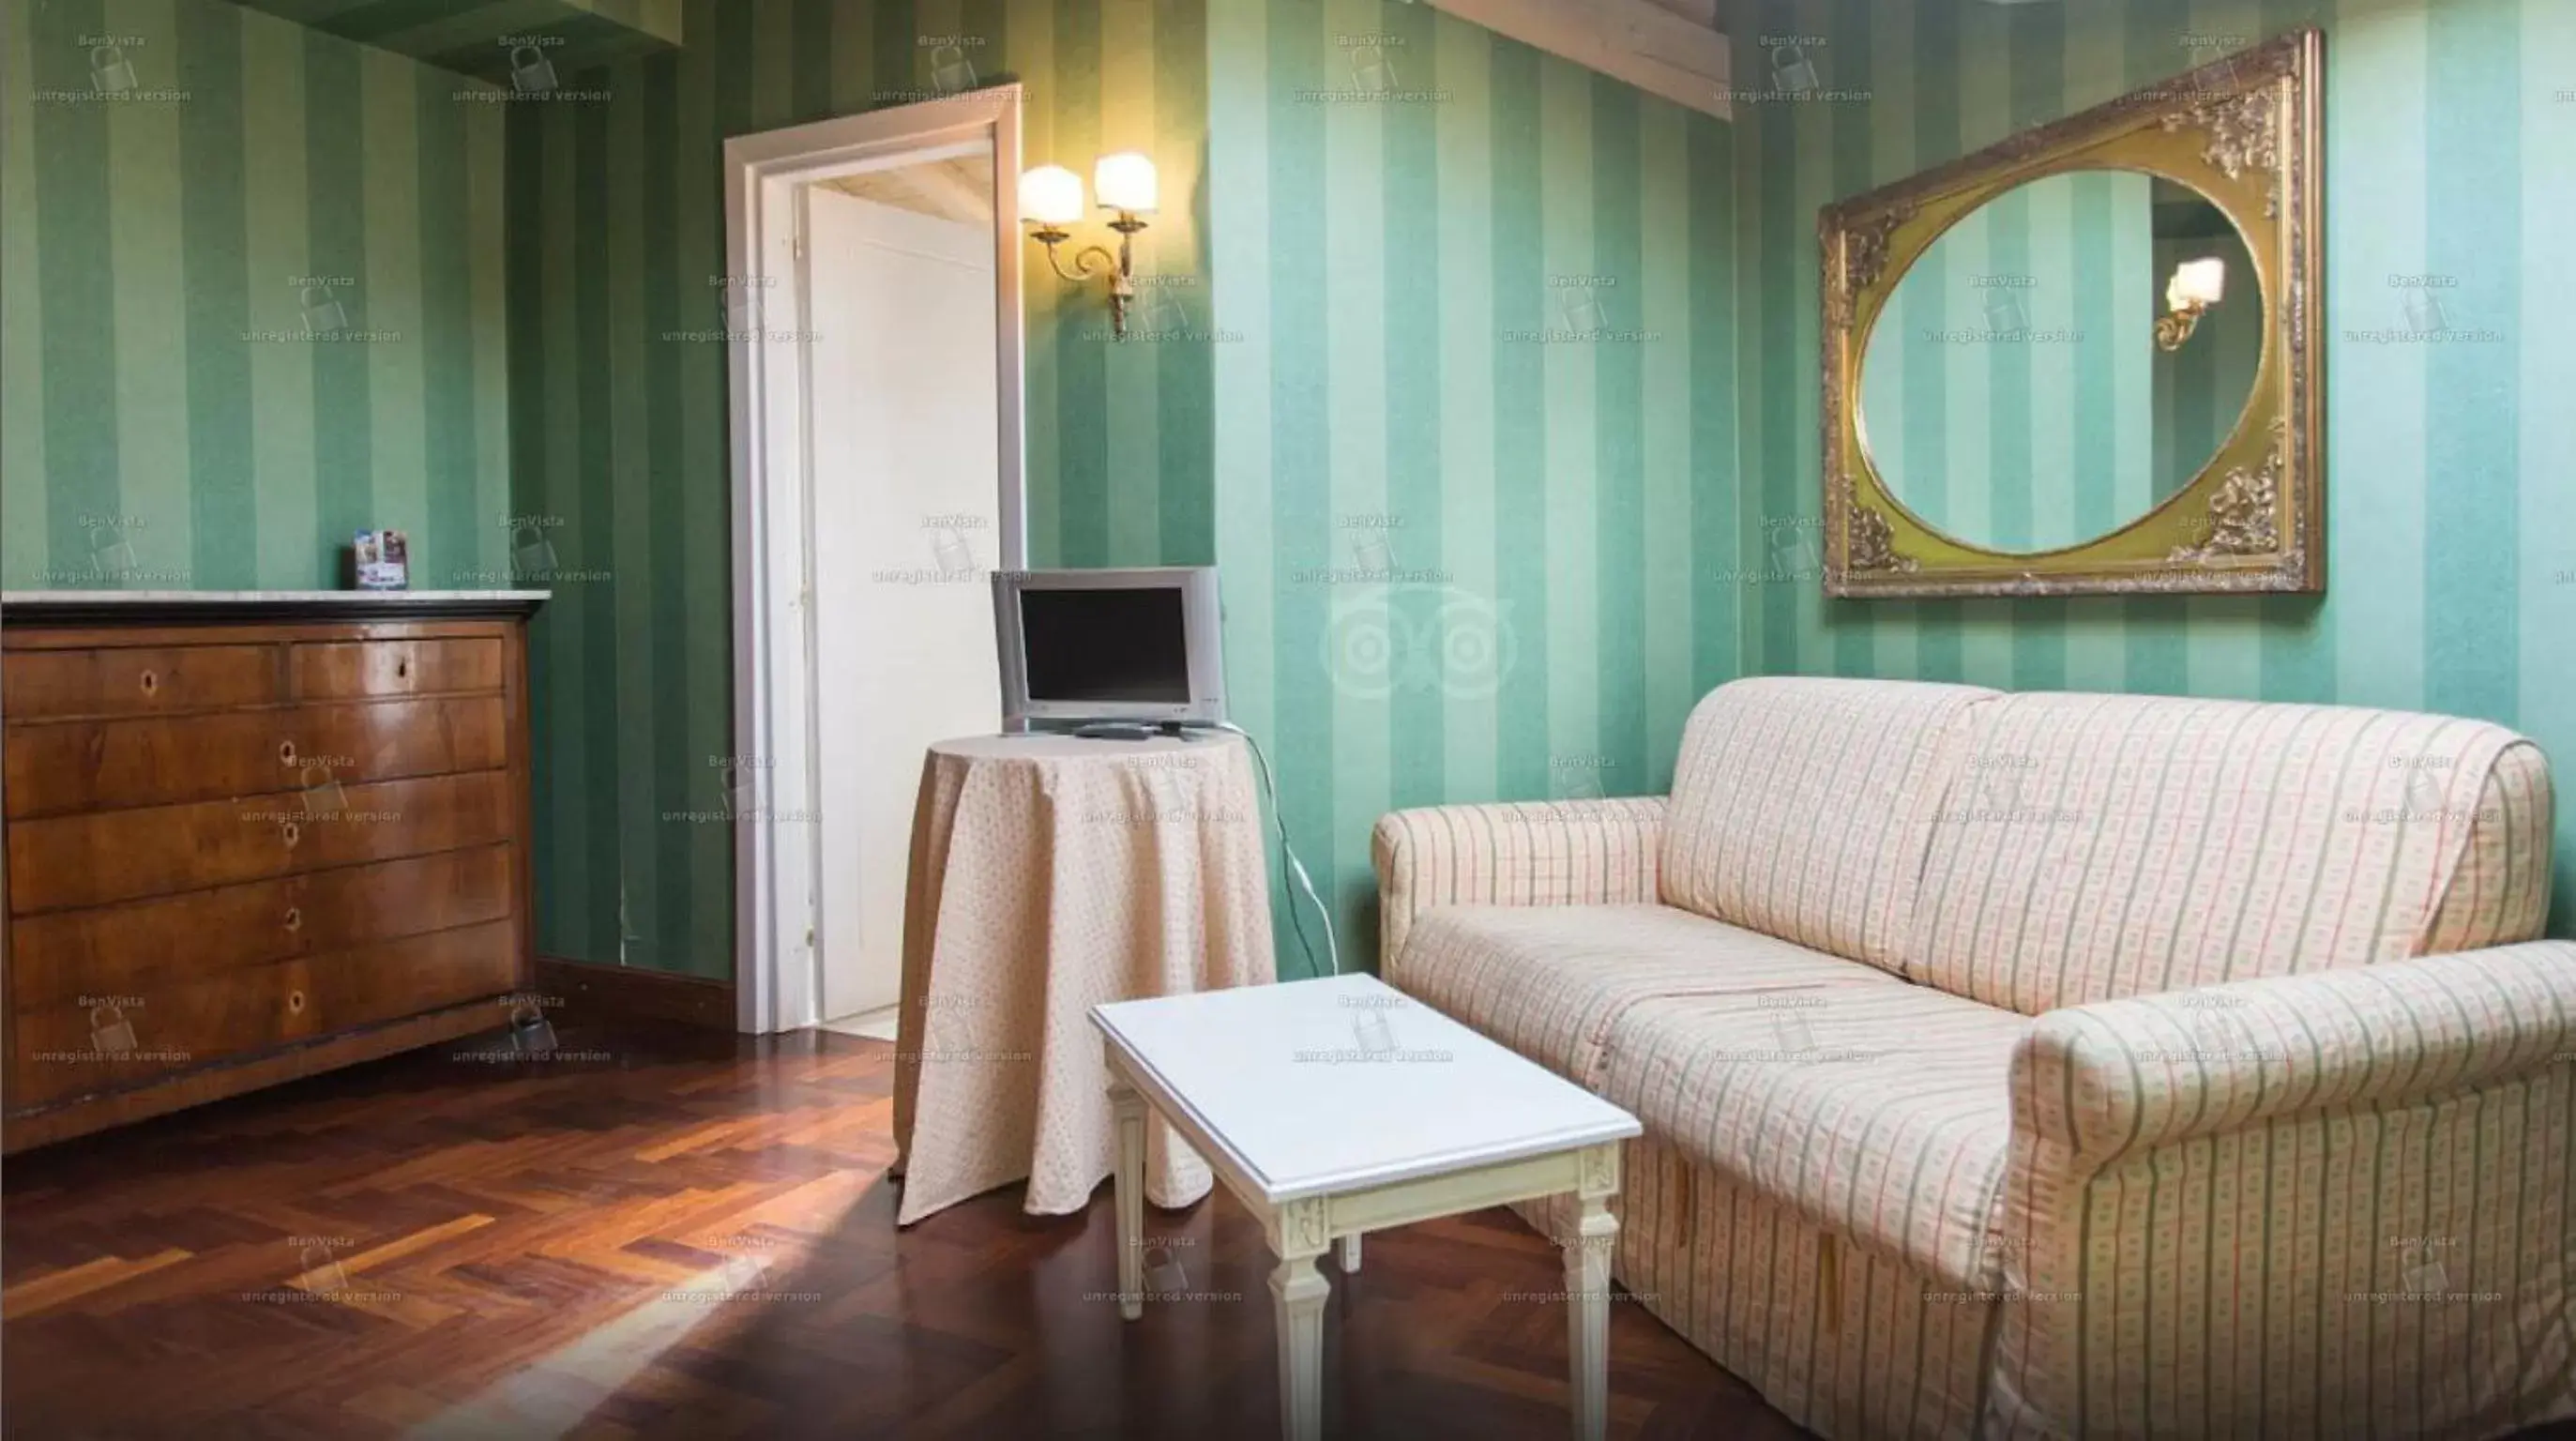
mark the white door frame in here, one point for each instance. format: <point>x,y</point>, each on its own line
<point>775,844</point>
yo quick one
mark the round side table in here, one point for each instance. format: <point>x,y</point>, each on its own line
<point>1051,874</point>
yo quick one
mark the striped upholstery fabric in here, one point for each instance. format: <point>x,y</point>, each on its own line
<point>2116,1077</point>
<point>1520,853</point>
<point>2500,893</point>
<point>1878,1112</point>
<point>2232,1097</point>
<point>2097,846</point>
<point>1801,807</point>
<point>2324,1205</point>
<point>1550,981</point>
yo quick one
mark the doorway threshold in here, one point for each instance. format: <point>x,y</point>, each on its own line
<point>876,1025</point>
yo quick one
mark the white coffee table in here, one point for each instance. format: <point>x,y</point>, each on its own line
<point>1336,1107</point>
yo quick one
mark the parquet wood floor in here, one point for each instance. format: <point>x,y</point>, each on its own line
<point>686,1234</point>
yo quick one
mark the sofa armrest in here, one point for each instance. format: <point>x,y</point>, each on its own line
<point>2365,1140</point>
<point>1520,853</point>
<point>2093,1083</point>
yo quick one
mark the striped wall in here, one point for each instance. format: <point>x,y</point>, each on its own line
<point>2451,131</point>
<point>1475,448</point>
<point>1495,396</point>
<point>617,375</point>
<point>179,175</point>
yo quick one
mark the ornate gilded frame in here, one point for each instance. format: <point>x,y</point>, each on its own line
<point>2246,132</point>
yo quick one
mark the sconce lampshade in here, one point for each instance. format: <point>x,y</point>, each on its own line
<point>1125,181</point>
<point>1050,195</point>
<point>2197,283</point>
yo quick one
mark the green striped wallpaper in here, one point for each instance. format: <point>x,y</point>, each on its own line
<point>2450,348</point>
<point>1477,505</point>
<point>617,375</point>
<point>186,405</point>
<point>1508,371</point>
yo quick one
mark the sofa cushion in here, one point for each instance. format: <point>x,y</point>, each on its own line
<point>1879,1112</point>
<point>2102,846</point>
<point>1801,807</point>
<point>1549,981</point>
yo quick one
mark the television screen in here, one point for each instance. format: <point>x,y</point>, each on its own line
<point>1106,645</point>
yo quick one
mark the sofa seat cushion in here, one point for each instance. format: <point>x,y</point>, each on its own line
<point>1879,1113</point>
<point>1550,981</point>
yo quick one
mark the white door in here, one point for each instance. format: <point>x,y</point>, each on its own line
<point>906,533</point>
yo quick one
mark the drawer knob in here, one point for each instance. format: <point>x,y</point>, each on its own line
<point>295,1002</point>
<point>151,682</point>
<point>295,918</point>
<point>291,833</point>
<point>402,668</point>
<point>286,753</point>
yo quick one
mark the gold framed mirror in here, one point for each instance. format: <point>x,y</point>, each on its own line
<point>2087,360</point>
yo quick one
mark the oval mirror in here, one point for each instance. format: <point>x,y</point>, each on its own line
<point>2062,360</point>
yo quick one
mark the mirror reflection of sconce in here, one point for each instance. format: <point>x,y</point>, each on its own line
<point>1051,199</point>
<point>2196,286</point>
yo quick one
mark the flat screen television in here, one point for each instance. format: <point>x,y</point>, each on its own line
<point>1083,646</point>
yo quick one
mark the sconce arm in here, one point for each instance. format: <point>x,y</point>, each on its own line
<point>2174,328</point>
<point>1083,268</point>
<point>1118,269</point>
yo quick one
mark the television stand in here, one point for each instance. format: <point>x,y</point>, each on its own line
<point>1131,730</point>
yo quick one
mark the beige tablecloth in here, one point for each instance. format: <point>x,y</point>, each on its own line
<point>1050,874</point>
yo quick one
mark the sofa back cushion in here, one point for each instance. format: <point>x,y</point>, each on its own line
<point>1802,807</point>
<point>2102,846</point>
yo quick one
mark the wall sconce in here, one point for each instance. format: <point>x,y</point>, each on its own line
<point>1051,199</point>
<point>2196,286</point>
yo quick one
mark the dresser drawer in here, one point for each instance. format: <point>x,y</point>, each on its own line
<point>135,948</point>
<point>111,764</point>
<point>339,670</point>
<point>100,1040</point>
<point>137,680</point>
<point>61,862</point>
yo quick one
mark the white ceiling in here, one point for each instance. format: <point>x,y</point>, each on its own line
<point>955,189</point>
<point>1670,48</point>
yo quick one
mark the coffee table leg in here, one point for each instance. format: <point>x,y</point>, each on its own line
<point>1129,1185</point>
<point>1297,1293</point>
<point>1351,1254</point>
<point>1587,1282</point>
<point>1298,1290</point>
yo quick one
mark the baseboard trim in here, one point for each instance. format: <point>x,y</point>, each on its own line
<point>612,993</point>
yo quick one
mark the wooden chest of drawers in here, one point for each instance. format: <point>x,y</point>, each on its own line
<point>248,841</point>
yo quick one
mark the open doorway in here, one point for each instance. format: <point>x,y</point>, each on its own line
<point>877,483</point>
<point>899,309</point>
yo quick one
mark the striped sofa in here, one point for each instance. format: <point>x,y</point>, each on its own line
<point>2055,1064</point>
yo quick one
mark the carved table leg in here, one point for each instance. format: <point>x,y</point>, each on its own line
<point>1297,1290</point>
<point>1587,1284</point>
<point>1588,1247</point>
<point>1129,1184</point>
